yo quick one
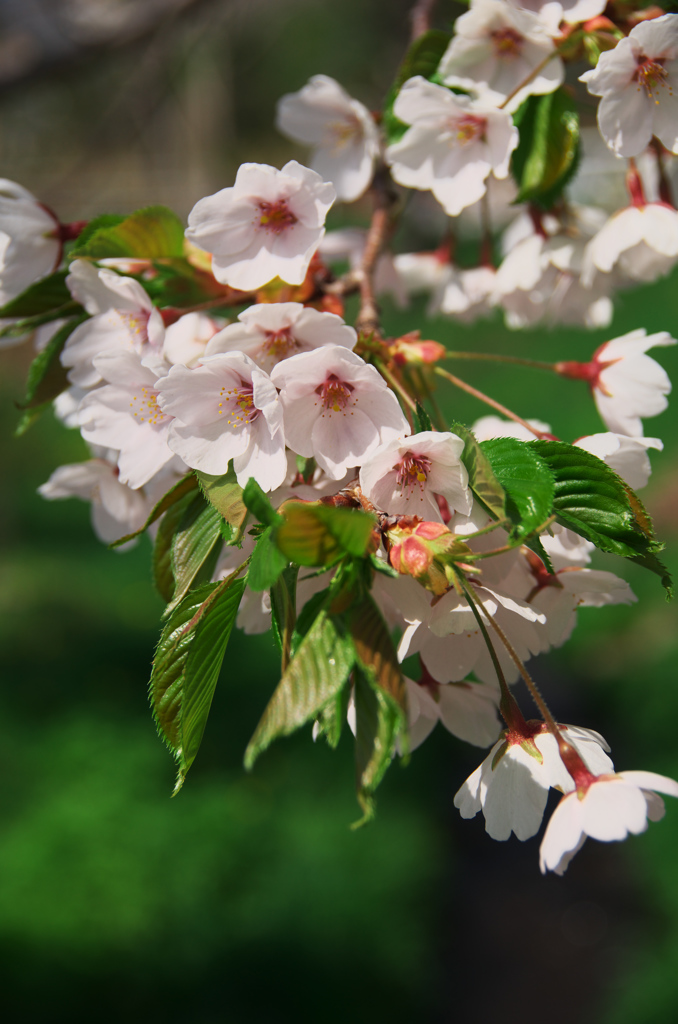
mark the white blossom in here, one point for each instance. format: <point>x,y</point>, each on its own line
<point>554,11</point>
<point>453,144</point>
<point>403,476</point>
<point>627,456</point>
<point>511,785</point>
<point>273,331</point>
<point>610,807</point>
<point>30,246</point>
<point>467,710</point>
<point>341,130</point>
<point>226,408</point>
<point>636,82</point>
<point>495,48</point>
<point>268,224</point>
<point>639,242</point>
<point>187,338</point>
<point>336,407</point>
<point>123,318</point>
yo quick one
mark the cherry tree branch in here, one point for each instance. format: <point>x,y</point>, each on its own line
<point>420,17</point>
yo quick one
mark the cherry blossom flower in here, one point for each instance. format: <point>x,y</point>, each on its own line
<point>403,476</point>
<point>268,224</point>
<point>470,295</point>
<point>627,456</point>
<point>273,331</point>
<point>467,710</point>
<point>336,407</point>
<point>124,414</point>
<point>226,408</point>
<point>640,242</point>
<point>607,808</point>
<point>636,82</point>
<point>323,115</point>
<point>116,509</point>
<point>571,11</point>
<point>626,383</point>
<point>495,48</point>
<point>453,144</point>
<point>488,427</point>
<point>30,243</point>
<point>511,785</point>
<point>123,318</point>
<point>187,338</point>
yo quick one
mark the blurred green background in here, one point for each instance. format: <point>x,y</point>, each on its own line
<point>247,898</point>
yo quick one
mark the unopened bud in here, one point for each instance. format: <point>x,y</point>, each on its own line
<point>425,550</point>
<point>411,349</point>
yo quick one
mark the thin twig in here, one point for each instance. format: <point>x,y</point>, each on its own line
<point>463,386</point>
<point>491,357</point>
<point>420,16</point>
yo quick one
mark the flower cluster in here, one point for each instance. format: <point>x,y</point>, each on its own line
<point>233,413</point>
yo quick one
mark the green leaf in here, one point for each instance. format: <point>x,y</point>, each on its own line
<point>46,376</point>
<point>284,611</point>
<point>184,486</point>
<point>186,666</point>
<point>481,478</point>
<point>163,576</point>
<point>597,504</point>
<point>314,678</point>
<point>259,505</point>
<point>225,493</point>
<point>377,725</point>
<point>307,616</point>
<point>106,220</point>
<point>177,283</point>
<point>152,233</point>
<point>422,58</point>
<point>42,296</point>
<point>376,653</point>
<point>422,420</point>
<point>548,152</point>
<point>195,547</point>
<point>315,534</point>
<point>267,562</point>
<point>30,323</point>
<point>527,482</point>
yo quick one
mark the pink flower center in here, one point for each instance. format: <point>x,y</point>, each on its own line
<point>335,393</point>
<point>240,408</point>
<point>276,217</point>
<point>137,325</point>
<point>279,343</point>
<point>145,408</point>
<point>507,42</point>
<point>651,75</point>
<point>467,128</point>
<point>412,471</point>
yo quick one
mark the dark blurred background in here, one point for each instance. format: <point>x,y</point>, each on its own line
<point>247,898</point>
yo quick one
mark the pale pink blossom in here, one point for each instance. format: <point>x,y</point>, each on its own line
<point>627,384</point>
<point>638,242</point>
<point>552,12</point>
<point>511,785</point>
<point>470,295</point>
<point>636,83</point>
<point>187,338</point>
<point>124,414</point>
<point>467,710</point>
<point>336,407</point>
<point>404,475</point>
<point>116,509</point>
<point>123,318</point>
<point>627,456</point>
<point>226,408</point>
<point>341,130</point>
<point>607,808</point>
<point>495,48</point>
<point>30,244</point>
<point>273,331</point>
<point>452,146</point>
<point>267,225</point>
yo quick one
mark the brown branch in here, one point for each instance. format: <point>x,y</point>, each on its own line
<point>385,198</point>
<point>420,17</point>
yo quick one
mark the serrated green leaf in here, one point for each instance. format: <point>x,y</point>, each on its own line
<point>535,544</point>
<point>178,490</point>
<point>591,499</point>
<point>226,494</point>
<point>259,505</point>
<point>422,58</point>
<point>422,420</point>
<point>187,664</point>
<point>163,577</point>
<point>481,478</point>
<point>375,651</point>
<point>41,297</point>
<point>152,233</point>
<point>548,152</point>
<point>195,547</point>
<point>527,482</point>
<point>267,562</point>
<point>106,220</point>
<point>315,534</point>
<point>314,678</point>
<point>377,725</point>
<point>307,616</point>
<point>28,324</point>
<point>284,611</point>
